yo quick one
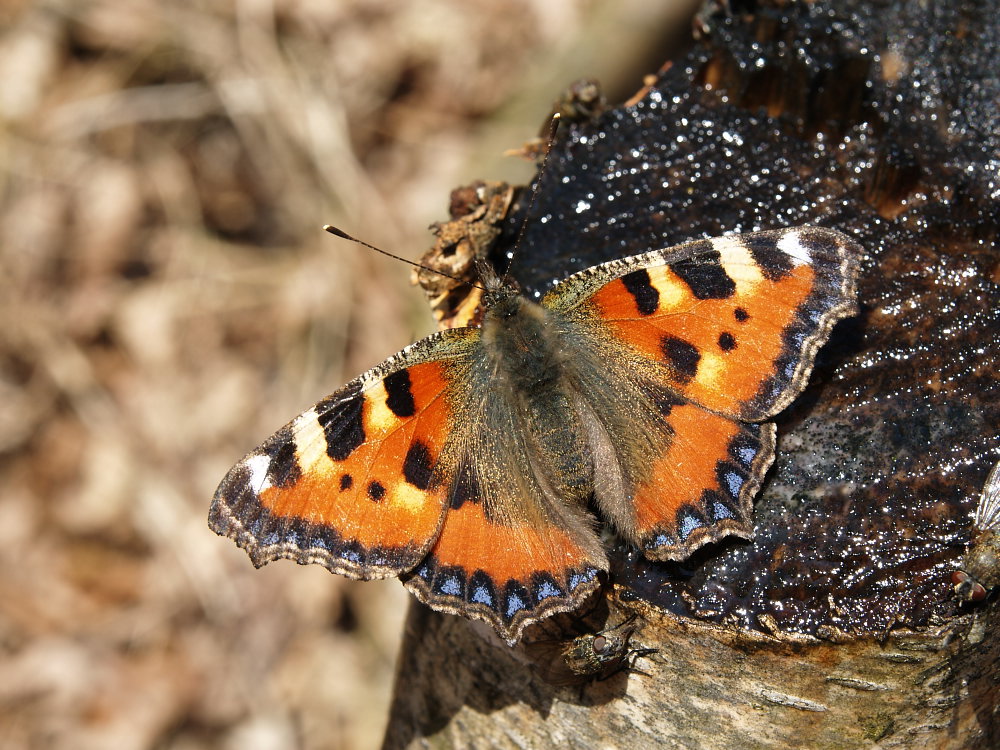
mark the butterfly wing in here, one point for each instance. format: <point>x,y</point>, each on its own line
<point>511,550</point>
<point>355,483</point>
<point>716,336</point>
<point>417,469</point>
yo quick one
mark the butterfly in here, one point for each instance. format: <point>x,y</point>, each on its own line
<point>477,463</point>
<point>980,569</point>
<point>588,657</point>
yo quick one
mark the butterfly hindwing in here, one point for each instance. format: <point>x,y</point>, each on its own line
<point>355,483</point>
<point>701,488</point>
<point>510,573</point>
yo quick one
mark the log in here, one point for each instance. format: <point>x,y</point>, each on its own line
<point>837,625</point>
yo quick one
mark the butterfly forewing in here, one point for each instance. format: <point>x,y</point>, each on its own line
<point>354,483</point>
<point>734,322</point>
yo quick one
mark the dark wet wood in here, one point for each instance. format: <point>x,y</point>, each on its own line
<point>836,627</point>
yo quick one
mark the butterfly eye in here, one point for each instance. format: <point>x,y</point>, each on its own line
<point>600,644</point>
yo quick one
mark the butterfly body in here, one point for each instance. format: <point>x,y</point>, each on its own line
<point>529,364</point>
<point>477,463</point>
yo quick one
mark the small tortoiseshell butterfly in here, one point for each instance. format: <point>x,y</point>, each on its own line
<point>472,463</point>
<point>981,566</point>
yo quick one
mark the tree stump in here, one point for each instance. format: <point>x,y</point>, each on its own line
<point>836,627</point>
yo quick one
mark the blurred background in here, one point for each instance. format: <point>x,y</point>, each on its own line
<point>168,299</point>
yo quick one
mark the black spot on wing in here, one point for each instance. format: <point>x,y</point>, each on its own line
<point>640,286</point>
<point>727,342</point>
<point>663,399</point>
<point>704,275</point>
<point>376,490</point>
<point>741,315</point>
<point>340,418</point>
<point>283,470</point>
<point>399,397</point>
<point>682,356</point>
<point>418,466</point>
<point>465,488</point>
<point>774,263</point>
<point>346,482</point>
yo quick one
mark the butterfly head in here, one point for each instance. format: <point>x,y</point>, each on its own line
<point>500,297</point>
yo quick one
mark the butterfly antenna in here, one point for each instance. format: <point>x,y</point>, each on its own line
<point>344,235</point>
<point>553,127</point>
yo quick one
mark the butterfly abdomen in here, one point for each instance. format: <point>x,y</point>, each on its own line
<point>530,365</point>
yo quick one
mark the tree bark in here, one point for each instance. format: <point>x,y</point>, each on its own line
<point>836,626</point>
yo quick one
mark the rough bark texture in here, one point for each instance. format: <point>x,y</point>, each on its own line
<point>835,627</point>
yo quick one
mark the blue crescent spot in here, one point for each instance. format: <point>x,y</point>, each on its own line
<point>789,369</point>
<point>721,511</point>
<point>688,524</point>
<point>734,481</point>
<point>547,590</point>
<point>271,538</point>
<point>746,455</point>
<point>451,586</point>
<point>661,540</point>
<point>350,554</point>
<point>481,595</point>
<point>577,579</point>
<point>515,604</point>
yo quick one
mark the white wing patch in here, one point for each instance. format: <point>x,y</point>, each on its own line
<point>258,465</point>
<point>791,245</point>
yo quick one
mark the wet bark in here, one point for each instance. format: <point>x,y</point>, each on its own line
<point>836,626</point>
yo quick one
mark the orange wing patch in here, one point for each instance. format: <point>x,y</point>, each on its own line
<point>509,574</point>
